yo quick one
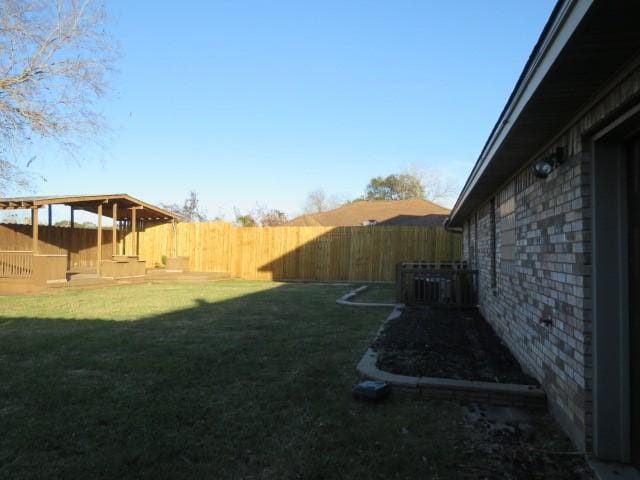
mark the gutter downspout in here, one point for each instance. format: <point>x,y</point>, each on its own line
<point>448,228</point>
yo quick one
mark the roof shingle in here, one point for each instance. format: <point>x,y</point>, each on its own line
<point>414,211</point>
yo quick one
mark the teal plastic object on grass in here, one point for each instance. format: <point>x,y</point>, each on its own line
<point>371,390</point>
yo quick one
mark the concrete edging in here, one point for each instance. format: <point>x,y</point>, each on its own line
<point>346,299</point>
<point>489,392</point>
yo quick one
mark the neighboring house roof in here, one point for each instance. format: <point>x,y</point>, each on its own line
<point>582,46</point>
<point>379,212</point>
<point>303,221</point>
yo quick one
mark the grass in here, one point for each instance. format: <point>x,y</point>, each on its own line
<point>220,380</point>
<point>377,293</point>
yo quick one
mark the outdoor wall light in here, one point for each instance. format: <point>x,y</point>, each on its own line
<point>543,167</point>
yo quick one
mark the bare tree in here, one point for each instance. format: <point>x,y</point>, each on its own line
<point>318,201</point>
<point>190,210</point>
<point>55,57</point>
<point>271,217</point>
<point>11,176</point>
<point>260,216</point>
<point>437,186</point>
<point>245,219</point>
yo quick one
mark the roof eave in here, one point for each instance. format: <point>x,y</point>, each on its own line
<point>563,22</point>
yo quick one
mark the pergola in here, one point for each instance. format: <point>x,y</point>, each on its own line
<point>125,211</point>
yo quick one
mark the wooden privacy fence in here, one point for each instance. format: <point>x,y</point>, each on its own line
<point>309,253</point>
<point>261,253</point>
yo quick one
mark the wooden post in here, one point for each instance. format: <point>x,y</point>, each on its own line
<point>134,240</point>
<point>122,226</point>
<point>34,230</point>
<point>72,225</point>
<point>50,218</point>
<point>99,260</point>
<point>114,229</point>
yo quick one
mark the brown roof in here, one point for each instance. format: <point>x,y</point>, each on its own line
<point>90,203</point>
<point>306,220</point>
<point>384,212</point>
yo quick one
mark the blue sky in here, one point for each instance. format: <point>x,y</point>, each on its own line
<point>264,101</point>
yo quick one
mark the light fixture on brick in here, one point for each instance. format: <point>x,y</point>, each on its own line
<point>543,167</point>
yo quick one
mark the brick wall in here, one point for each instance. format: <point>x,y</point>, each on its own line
<point>539,299</point>
<point>546,282</point>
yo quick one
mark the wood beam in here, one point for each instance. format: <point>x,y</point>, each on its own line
<point>114,229</point>
<point>99,259</point>
<point>13,205</point>
<point>34,230</point>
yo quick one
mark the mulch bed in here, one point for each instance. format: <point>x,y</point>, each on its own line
<point>520,449</point>
<point>515,444</point>
<point>446,343</point>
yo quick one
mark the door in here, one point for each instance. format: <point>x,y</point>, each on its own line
<point>633,208</point>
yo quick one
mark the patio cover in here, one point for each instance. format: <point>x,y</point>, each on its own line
<point>120,207</point>
<point>90,203</point>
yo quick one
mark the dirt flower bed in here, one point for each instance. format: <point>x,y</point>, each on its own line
<point>446,343</point>
<point>514,443</point>
<point>519,444</point>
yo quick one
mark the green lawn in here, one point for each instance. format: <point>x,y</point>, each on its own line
<point>220,380</point>
<point>377,293</point>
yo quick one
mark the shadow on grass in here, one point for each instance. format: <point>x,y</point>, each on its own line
<point>247,384</point>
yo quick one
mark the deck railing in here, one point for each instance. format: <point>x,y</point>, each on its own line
<point>448,284</point>
<point>16,263</point>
